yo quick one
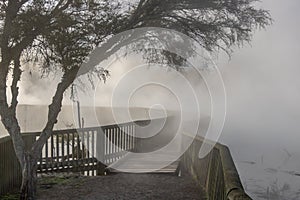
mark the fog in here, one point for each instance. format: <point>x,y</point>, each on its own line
<point>262,125</point>
<point>262,83</point>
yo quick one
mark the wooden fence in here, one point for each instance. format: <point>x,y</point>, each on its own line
<point>216,172</point>
<point>87,151</point>
<point>10,170</point>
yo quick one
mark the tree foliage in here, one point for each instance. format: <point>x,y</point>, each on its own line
<point>213,23</point>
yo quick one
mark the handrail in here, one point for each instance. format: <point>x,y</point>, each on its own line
<point>5,139</point>
<point>62,131</point>
<point>222,180</point>
<point>233,184</point>
<point>70,150</point>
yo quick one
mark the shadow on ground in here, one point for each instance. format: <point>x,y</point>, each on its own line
<point>120,186</point>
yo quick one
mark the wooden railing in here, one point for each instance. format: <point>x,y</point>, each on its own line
<point>86,150</point>
<point>216,172</point>
<point>81,150</point>
<point>10,170</point>
<point>71,150</point>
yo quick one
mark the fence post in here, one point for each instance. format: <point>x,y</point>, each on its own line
<point>100,150</point>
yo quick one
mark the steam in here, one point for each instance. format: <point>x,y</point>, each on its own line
<point>263,111</point>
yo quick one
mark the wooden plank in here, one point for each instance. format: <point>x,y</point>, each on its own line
<point>93,149</point>
<point>10,173</point>
<point>68,150</point>
<point>83,148</point>
<point>52,152</point>
<point>46,154</point>
<point>63,150</point>
<point>78,151</point>
<point>88,147</point>
<point>73,146</point>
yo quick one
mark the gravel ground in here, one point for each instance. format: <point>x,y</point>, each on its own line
<point>120,187</point>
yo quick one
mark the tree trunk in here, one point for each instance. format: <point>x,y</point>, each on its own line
<point>29,179</point>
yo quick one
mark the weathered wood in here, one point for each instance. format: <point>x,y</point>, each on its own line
<point>10,170</point>
<point>93,150</point>
<point>100,151</point>
<point>88,149</point>
<point>158,162</point>
<point>65,151</point>
<point>57,151</point>
<point>216,172</point>
<point>46,155</point>
<point>52,152</point>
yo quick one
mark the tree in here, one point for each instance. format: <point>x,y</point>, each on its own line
<point>60,34</point>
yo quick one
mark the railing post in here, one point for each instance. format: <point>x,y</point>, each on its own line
<point>100,150</point>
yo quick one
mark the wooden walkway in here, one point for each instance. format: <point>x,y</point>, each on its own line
<point>154,162</point>
<point>149,175</point>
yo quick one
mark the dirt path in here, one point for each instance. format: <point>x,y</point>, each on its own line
<point>120,187</point>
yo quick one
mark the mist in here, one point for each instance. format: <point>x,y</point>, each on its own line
<point>262,124</point>
<point>262,84</point>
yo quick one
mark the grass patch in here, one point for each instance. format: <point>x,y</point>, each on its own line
<point>10,197</point>
<point>54,180</point>
<point>47,182</point>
